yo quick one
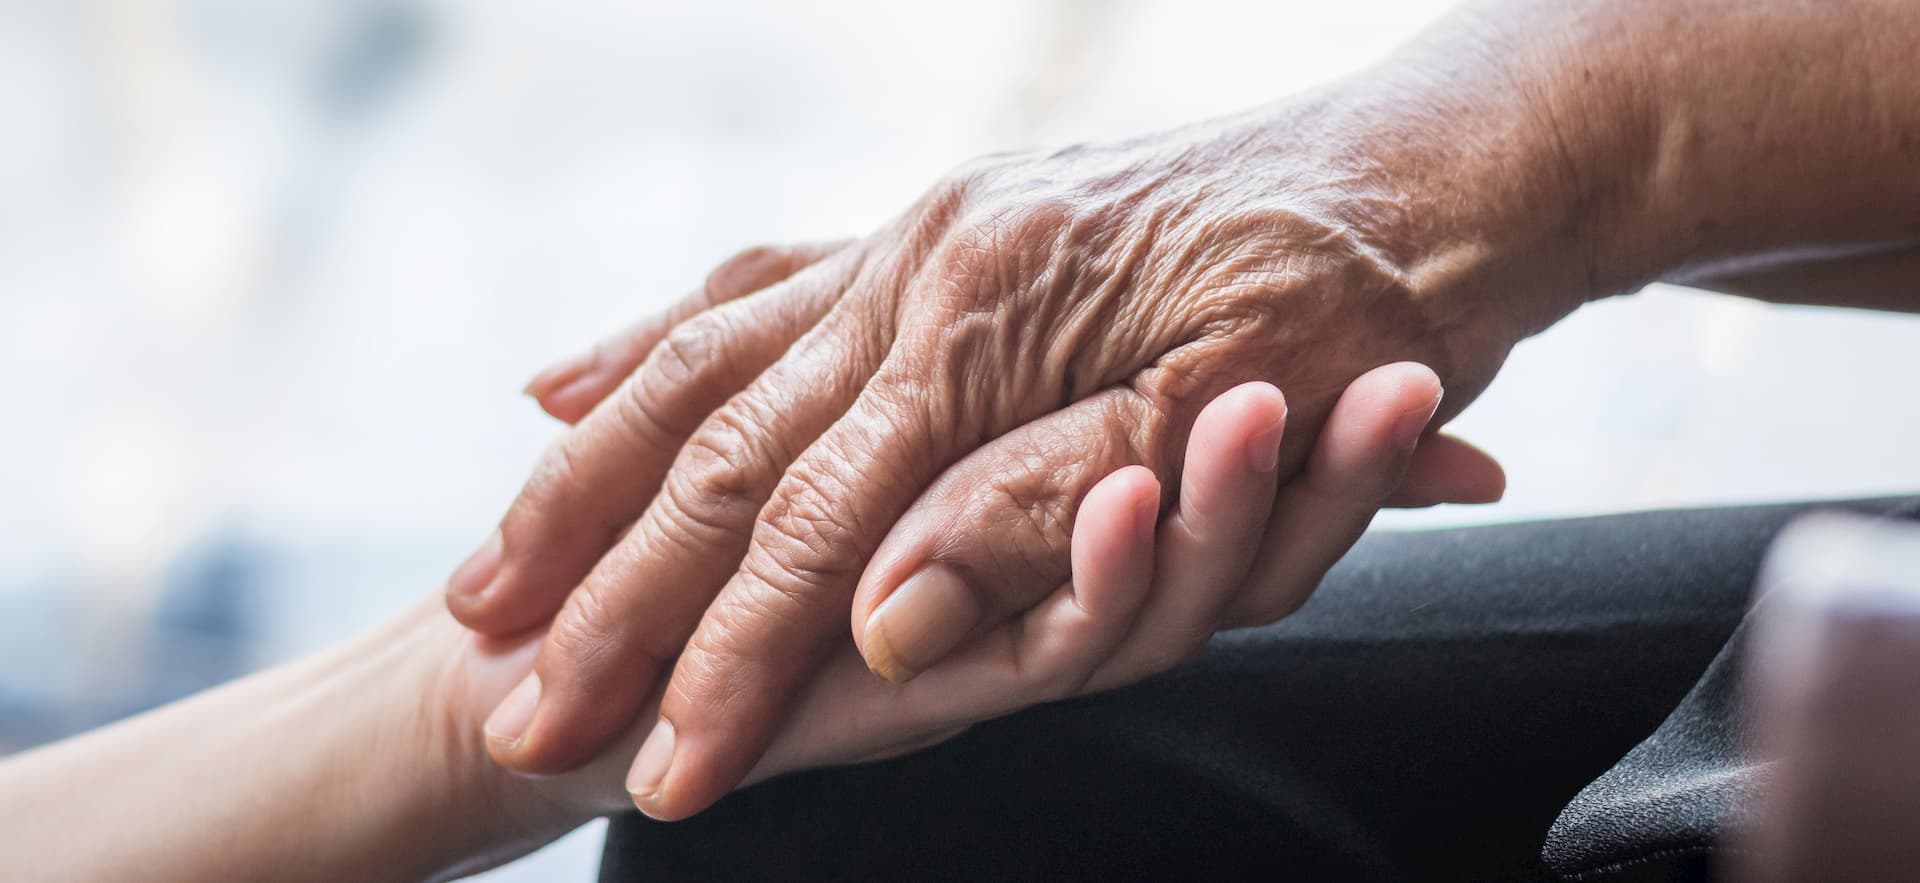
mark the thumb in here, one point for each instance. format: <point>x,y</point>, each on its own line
<point>990,536</point>
<point>1445,469</point>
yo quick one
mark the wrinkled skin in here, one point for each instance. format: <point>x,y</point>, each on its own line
<point>791,444</point>
<point>1143,584</point>
<point>372,750</point>
<point>1034,323</point>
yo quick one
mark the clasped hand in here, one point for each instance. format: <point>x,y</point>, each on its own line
<point>1025,442</point>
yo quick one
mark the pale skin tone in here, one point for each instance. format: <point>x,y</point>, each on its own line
<point>994,389</point>
<point>883,440</point>
<point>366,762</point>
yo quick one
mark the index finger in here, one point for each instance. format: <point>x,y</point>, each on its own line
<point>570,388</point>
<point>604,472</point>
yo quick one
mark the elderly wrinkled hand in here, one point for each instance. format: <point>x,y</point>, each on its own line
<point>1143,587</point>
<point>896,431</point>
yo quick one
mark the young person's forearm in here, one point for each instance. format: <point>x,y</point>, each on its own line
<point>331,768</point>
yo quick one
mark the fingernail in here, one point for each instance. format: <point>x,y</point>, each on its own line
<point>477,572</point>
<point>650,767</point>
<point>1263,449</point>
<point>559,374</point>
<point>1406,432</point>
<point>509,720</point>
<point>1146,521</point>
<point>920,623</point>
<point>585,388</point>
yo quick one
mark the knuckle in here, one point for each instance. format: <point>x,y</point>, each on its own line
<point>581,640</point>
<point>713,486</point>
<point>980,174</point>
<point>968,179</point>
<point>692,351</point>
<point>1022,224</point>
<point>1002,248</point>
<point>597,643</point>
<point>1240,304</point>
<point>944,204</point>
<point>747,270</point>
<point>739,624</point>
<point>705,679</point>
<point>718,668</point>
<point>1029,515</point>
<point>806,533</point>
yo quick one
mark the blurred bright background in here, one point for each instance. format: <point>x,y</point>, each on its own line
<point>271,275</point>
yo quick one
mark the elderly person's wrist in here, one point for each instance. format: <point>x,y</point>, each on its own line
<point>1630,141</point>
<point>1500,173</point>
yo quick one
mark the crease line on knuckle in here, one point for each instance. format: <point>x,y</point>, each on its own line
<point>695,521</point>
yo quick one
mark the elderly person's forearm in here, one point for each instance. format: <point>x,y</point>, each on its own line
<point>1684,140</point>
<point>905,422</point>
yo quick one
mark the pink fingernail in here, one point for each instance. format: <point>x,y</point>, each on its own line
<point>477,572</point>
<point>509,720</point>
<point>579,394</point>
<point>1407,430</point>
<point>1263,449</point>
<point>562,373</point>
<point>1146,521</point>
<point>650,767</point>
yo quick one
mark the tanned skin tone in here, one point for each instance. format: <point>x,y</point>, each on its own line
<point>892,451</point>
<point>890,440</point>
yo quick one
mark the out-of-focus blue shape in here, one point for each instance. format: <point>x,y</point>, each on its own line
<point>384,43</point>
<point>207,620</point>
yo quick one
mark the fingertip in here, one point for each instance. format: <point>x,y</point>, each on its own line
<point>1113,539</point>
<point>1255,404</point>
<point>1421,393</point>
<point>1111,513</point>
<point>649,771</point>
<point>1403,388</point>
<point>1136,490</point>
<point>496,610</point>
<point>559,374</point>
<point>1119,511</point>
<point>1481,477</point>
<point>533,733</point>
<point>509,720</point>
<point>1413,379</point>
<point>1446,469</point>
<point>572,402</point>
<point>1251,418</point>
<point>920,623</point>
<point>679,772</point>
<point>1373,430</point>
<point>468,587</point>
<point>491,615</point>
